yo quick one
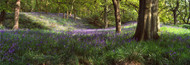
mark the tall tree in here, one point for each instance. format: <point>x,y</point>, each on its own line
<point>147,20</point>
<point>189,13</point>
<point>173,6</point>
<point>16,26</point>
<point>37,5</point>
<point>4,7</point>
<point>72,7</point>
<point>105,14</point>
<point>184,11</point>
<point>155,21</point>
<point>116,4</point>
<point>2,16</point>
<point>175,12</point>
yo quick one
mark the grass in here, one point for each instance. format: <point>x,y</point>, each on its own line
<point>43,21</point>
<point>49,47</point>
<point>183,26</point>
<point>24,21</point>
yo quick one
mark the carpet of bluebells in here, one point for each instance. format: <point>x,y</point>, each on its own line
<point>33,47</point>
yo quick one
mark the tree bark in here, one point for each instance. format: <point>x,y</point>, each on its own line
<point>140,30</point>
<point>105,15</point>
<point>72,7</point>
<point>58,8</point>
<point>75,15</point>
<point>64,15</point>
<point>67,14</point>
<point>116,4</point>
<point>37,5</point>
<point>158,23</point>
<point>147,26</point>
<point>2,17</point>
<point>46,6</point>
<point>189,13</point>
<point>16,26</point>
<point>155,20</point>
<point>175,12</point>
<point>148,20</point>
<point>175,17</point>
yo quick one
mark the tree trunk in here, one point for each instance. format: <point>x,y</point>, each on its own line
<point>46,6</point>
<point>70,13</point>
<point>116,4</point>
<point>37,5</point>
<point>58,7</point>
<point>16,26</point>
<point>175,12</point>
<point>40,7</point>
<point>140,30</point>
<point>32,8</point>
<point>158,22</point>
<point>155,20</point>
<point>64,15</point>
<point>2,17</point>
<point>148,19</point>
<point>175,17</point>
<point>105,15</point>
<point>84,13</point>
<point>58,10</point>
<point>147,26</point>
<point>75,15</point>
<point>189,13</point>
<point>72,7</point>
<point>67,14</point>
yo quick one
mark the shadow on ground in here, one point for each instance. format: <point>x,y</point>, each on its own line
<point>24,22</point>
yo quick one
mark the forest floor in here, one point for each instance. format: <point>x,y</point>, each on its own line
<point>56,21</point>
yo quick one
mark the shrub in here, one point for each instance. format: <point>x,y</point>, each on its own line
<point>2,27</point>
<point>95,20</point>
<point>186,26</point>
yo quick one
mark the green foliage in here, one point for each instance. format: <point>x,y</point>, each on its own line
<point>166,8</point>
<point>2,27</point>
<point>95,20</point>
<point>183,26</point>
<point>129,10</point>
<point>186,26</point>
<point>5,5</point>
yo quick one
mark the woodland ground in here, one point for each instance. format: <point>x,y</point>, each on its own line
<point>49,39</point>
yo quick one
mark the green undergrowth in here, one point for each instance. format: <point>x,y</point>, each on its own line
<point>36,20</point>
<point>36,47</point>
<point>183,26</point>
<point>24,22</point>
